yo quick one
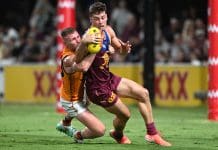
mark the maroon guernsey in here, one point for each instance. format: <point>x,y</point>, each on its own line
<point>101,84</point>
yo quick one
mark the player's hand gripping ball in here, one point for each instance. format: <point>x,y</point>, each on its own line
<point>94,48</point>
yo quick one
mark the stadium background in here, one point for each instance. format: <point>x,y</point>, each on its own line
<point>178,62</point>
<point>19,12</point>
<point>27,90</point>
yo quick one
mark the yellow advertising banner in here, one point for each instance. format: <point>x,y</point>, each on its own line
<point>176,85</point>
<point>30,83</point>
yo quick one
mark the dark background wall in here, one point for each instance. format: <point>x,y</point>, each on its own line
<point>17,12</point>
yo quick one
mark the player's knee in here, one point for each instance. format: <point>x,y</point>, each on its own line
<point>100,132</point>
<point>146,95</point>
<point>146,92</point>
<point>128,116</point>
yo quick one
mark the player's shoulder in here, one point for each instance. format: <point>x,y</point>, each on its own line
<point>110,30</point>
<point>66,53</point>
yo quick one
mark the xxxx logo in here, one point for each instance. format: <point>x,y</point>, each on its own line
<point>171,91</point>
<point>40,77</point>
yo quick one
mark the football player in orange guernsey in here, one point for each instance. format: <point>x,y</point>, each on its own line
<point>72,89</point>
<point>105,89</point>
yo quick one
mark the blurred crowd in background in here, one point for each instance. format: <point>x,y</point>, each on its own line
<point>28,34</point>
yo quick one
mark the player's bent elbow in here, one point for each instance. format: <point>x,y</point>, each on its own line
<point>145,94</point>
<point>84,67</point>
<point>84,70</point>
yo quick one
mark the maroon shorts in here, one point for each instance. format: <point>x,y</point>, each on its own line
<point>104,95</point>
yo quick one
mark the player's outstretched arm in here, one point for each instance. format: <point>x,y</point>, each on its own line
<point>119,45</point>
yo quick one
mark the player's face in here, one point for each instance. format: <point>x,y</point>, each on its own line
<point>99,20</point>
<point>72,40</point>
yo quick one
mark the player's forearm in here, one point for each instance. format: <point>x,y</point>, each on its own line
<point>118,46</point>
<point>81,53</point>
<point>85,63</point>
<point>73,68</point>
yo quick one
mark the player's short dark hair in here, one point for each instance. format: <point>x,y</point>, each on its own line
<point>97,8</point>
<point>67,31</point>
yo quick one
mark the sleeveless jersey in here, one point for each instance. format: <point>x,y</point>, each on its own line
<point>72,88</point>
<point>98,74</point>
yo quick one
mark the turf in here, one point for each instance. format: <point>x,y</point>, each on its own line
<point>32,127</point>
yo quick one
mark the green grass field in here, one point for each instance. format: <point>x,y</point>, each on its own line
<point>32,127</point>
